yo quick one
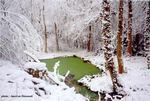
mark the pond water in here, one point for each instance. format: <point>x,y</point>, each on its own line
<point>77,66</point>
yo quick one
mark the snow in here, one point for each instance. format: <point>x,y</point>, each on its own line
<point>32,56</point>
<point>135,80</point>
<point>21,35</point>
<point>98,83</point>
<point>16,82</point>
<point>81,53</point>
<point>17,34</point>
<point>35,66</point>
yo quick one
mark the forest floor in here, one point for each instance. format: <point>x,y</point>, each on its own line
<point>14,82</point>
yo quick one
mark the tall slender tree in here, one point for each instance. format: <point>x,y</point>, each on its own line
<point>89,39</point>
<point>108,51</point>
<point>45,29</point>
<point>56,37</point>
<point>129,34</point>
<point>119,38</point>
<point>147,29</point>
<point>147,34</point>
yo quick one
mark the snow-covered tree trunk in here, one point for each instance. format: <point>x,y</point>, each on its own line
<point>89,40</point>
<point>45,29</point>
<point>147,35</point>
<point>119,38</point>
<point>129,34</point>
<point>147,32</point>
<point>108,51</point>
<point>56,38</point>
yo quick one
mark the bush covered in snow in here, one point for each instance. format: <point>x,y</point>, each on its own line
<point>16,35</point>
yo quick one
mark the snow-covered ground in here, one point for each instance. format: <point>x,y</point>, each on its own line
<point>15,81</point>
<point>18,85</point>
<point>80,53</point>
<point>135,80</point>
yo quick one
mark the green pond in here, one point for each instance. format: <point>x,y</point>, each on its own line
<point>77,66</point>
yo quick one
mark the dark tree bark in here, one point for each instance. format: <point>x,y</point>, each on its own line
<point>129,35</point>
<point>89,40</point>
<point>147,30</point>
<point>119,38</point>
<point>147,35</point>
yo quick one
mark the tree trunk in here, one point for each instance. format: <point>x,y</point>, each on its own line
<point>45,29</point>
<point>119,38</point>
<point>108,51</point>
<point>147,29</point>
<point>129,35</point>
<point>56,37</point>
<point>89,40</point>
<point>147,35</point>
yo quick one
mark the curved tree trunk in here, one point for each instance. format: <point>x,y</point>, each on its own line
<point>129,35</point>
<point>119,38</point>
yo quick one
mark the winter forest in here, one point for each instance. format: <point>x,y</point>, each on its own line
<point>74,50</point>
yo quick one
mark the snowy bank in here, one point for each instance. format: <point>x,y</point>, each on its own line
<point>17,85</point>
<point>135,81</point>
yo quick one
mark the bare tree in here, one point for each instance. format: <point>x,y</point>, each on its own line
<point>119,38</point>
<point>56,37</point>
<point>45,29</point>
<point>129,34</point>
<point>89,40</point>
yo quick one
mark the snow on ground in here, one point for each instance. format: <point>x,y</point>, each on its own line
<point>97,60</point>
<point>35,65</point>
<point>17,85</point>
<point>80,53</point>
<point>136,79</point>
<point>98,83</point>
